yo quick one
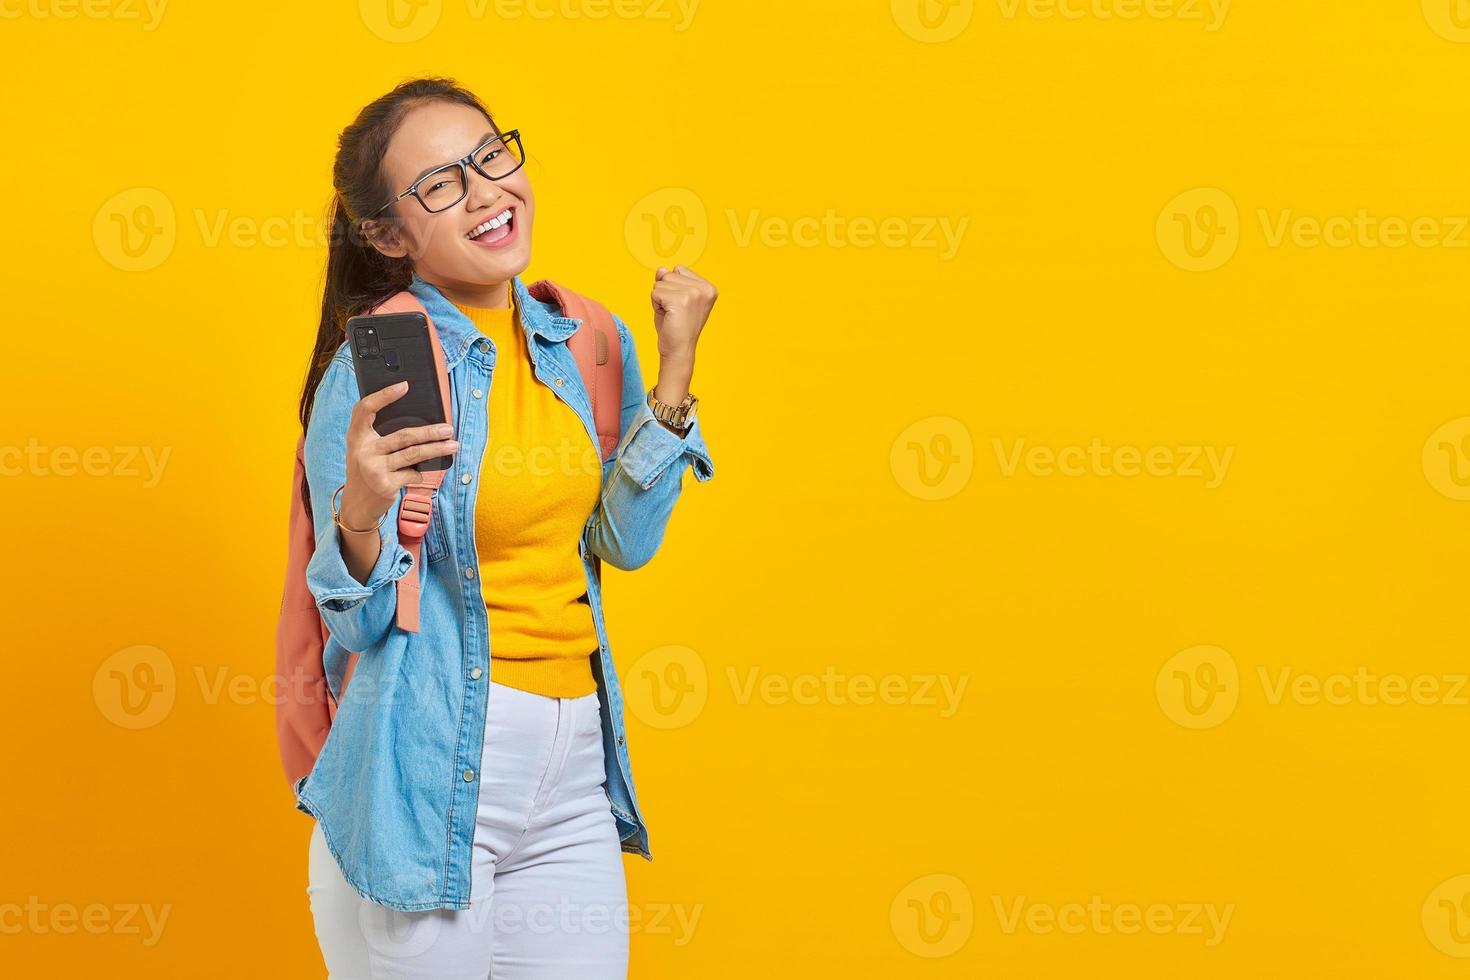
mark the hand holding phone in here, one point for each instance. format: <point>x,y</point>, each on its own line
<point>391,347</point>
<point>397,430</point>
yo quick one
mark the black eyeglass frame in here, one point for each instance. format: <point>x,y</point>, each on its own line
<point>464,177</point>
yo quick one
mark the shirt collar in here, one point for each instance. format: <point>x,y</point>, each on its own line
<point>457,333</point>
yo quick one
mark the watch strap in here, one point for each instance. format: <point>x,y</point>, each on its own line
<point>680,416</point>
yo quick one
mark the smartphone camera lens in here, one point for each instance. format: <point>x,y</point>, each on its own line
<point>367,342</point>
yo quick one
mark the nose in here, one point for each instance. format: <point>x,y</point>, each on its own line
<point>482,190</point>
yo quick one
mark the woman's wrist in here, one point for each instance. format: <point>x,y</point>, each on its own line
<point>361,514</point>
<point>675,372</point>
<point>361,543</point>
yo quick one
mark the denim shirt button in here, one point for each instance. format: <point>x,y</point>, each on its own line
<point>469,775</point>
<point>478,393</point>
<point>485,346</point>
<point>620,740</point>
<point>469,573</point>
<point>465,479</point>
<point>475,674</point>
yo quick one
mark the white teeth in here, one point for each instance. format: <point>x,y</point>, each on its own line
<point>494,222</point>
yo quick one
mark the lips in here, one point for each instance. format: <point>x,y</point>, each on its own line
<point>496,231</point>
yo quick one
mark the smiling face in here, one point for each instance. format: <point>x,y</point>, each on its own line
<point>444,246</point>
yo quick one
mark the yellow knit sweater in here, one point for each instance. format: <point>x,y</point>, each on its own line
<point>539,482</point>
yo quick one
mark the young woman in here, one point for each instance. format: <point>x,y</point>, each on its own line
<point>474,795</point>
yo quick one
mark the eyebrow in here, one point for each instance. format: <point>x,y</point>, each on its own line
<point>440,166</point>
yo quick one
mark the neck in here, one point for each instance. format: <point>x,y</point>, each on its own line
<point>488,296</point>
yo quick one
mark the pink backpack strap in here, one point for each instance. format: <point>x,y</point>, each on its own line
<point>599,353</point>
<point>417,506</point>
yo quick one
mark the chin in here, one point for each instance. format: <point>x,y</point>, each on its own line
<point>501,268</point>
<point>494,268</point>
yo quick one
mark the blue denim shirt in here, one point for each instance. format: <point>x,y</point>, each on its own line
<point>396,785</point>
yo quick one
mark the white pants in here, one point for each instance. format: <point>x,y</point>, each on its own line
<point>547,893</point>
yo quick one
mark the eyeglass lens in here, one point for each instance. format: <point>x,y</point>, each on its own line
<point>445,187</point>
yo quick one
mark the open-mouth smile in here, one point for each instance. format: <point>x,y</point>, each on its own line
<point>497,232</point>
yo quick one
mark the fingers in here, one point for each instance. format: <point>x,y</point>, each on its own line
<point>684,270</point>
<point>376,401</point>
<point>415,454</point>
<point>412,435</point>
<point>680,275</point>
<point>682,279</point>
<point>368,406</point>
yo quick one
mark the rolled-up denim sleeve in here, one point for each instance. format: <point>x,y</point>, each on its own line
<point>358,614</point>
<point>646,474</point>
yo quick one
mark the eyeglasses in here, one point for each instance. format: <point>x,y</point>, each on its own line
<point>496,159</point>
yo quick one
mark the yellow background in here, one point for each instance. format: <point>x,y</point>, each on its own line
<point>861,397</point>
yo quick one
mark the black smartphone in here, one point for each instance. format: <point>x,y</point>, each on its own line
<point>391,347</point>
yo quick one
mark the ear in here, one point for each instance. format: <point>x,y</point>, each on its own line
<point>385,237</point>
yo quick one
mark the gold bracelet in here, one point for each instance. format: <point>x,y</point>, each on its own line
<point>337,517</point>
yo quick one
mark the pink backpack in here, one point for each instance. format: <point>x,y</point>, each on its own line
<point>305,716</point>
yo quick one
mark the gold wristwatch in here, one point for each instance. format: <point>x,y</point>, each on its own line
<point>680,416</point>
